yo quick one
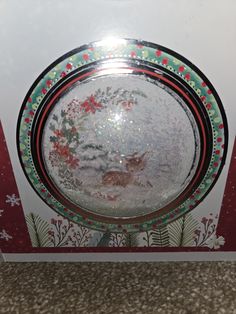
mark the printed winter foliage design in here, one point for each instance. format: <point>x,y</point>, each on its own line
<point>182,231</point>
<point>205,235</point>
<point>65,137</point>
<point>160,237</point>
<point>147,238</point>
<point>131,239</point>
<point>204,231</point>
<point>38,230</point>
<point>105,240</point>
<point>64,141</point>
<point>65,233</point>
<point>68,151</point>
<point>119,240</point>
<point>80,237</point>
<point>59,232</point>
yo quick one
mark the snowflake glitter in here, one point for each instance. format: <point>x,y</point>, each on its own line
<point>13,200</point>
<point>1,211</point>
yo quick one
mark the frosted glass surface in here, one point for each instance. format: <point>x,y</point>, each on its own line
<point>120,145</point>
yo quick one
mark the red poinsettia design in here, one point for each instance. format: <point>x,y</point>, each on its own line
<point>90,105</point>
<point>64,152</point>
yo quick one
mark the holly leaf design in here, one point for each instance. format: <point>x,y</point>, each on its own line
<point>55,117</point>
<point>52,127</point>
<point>53,139</point>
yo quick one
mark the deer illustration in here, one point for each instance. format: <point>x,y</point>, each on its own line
<point>134,164</point>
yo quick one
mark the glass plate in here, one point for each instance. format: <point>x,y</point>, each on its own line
<point>122,135</point>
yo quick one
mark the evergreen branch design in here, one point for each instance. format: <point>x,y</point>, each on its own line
<point>131,240</point>
<point>38,230</point>
<point>182,231</point>
<point>160,237</point>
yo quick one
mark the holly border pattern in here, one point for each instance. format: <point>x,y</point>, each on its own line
<point>130,50</point>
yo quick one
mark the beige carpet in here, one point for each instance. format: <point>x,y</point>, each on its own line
<point>109,288</point>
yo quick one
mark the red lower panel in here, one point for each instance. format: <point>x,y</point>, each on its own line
<point>13,230</point>
<point>227,222</point>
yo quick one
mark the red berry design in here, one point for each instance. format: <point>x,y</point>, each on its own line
<point>63,74</point>
<point>31,113</point>
<point>203,98</point>
<point>221,126</point>
<point>158,53</point>
<point>203,84</point>
<point>209,92</point>
<point>30,99</point>
<point>217,152</point>
<point>85,56</point>
<point>165,61</point>
<point>208,106</point>
<point>49,83</point>
<point>69,66</point>
<point>187,76</point>
<point>215,164</point>
<point>44,91</point>
<point>181,68</point>
<point>133,54</point>
<point>27,120</point>
<point>219,139</point>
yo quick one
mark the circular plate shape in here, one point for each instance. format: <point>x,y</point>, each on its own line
<point>122,135</point>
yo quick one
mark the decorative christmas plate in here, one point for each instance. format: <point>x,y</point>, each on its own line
<point>122,135</point>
